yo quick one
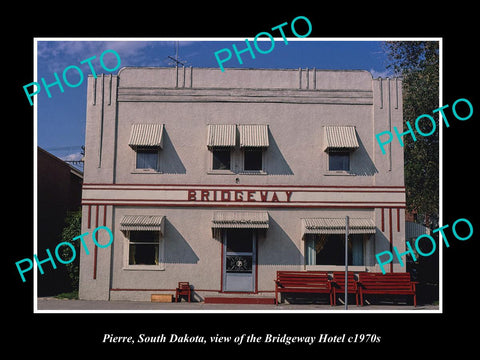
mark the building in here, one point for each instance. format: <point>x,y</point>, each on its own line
<point>222,178</point>
<point>59,189</point>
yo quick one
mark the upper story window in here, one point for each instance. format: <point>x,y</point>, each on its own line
<point>146,159</point>
<point>253,143</point>
<point>221,140</point>
<point>338,161</point>
<point>237,148</point>
<point>253,159</point>
<point>340,142</point>
<point>221,159</point>
<point>147,141</point>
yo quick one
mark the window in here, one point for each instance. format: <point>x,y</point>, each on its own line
<point>146,140</point>
<point>147,159</point>
<point>338,160</point>
<point>329,249</point>
<point>143,248</point>
<point>221,159</point>
<point>253,160</point>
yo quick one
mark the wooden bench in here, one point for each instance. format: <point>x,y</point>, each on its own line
<point>303,282</point>
<point>338,285</point>
<point>386,284</point>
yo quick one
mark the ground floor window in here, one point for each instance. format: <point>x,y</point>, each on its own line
<point>144,248</point>
<point>329,249</point>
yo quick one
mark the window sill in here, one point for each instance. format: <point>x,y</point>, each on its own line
<point>220,172</point>
<point>252,172</point>
<point>146,171</point>
<point>145,267</point>
<point>338,173</point>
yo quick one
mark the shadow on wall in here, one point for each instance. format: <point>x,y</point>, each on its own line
<point>276,164</point>
<point>177,249</point>
<point>383,244</point>
<point>362,164</point>
<point>171,162</point>
<point>278,248</point>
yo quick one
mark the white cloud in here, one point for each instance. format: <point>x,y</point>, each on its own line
<point>72,157</point>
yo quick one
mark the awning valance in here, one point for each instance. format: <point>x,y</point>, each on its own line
<point>221,135</point>
<point>253,135</point>
<point>143,223</point>
<point>240,220</point>
<point>146,136</point>
<point>337,226</point>
<point>340,138</point>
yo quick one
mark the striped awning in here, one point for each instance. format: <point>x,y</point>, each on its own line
<point>146,136</point>
<point>337,226</point>
<point>340,138</point>
<point>240,220</point>
<point>221,135</point>
<point>253,135</point>
<point>142,223</point>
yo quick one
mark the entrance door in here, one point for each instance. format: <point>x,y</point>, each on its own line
<point>239,252</point>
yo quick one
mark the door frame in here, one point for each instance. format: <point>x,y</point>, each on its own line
<point>223,277</point>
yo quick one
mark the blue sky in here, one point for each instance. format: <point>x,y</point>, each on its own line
<point>61,118</point>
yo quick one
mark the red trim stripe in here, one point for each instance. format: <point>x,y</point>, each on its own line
<point>258,205</point>
<point>390,236</point>
<point>104,215</point>
<point>89,216</point>
<point>95,263</point>
<point>383,219</point>
<point>96,215</point>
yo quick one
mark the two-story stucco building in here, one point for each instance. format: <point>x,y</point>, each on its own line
<point>222,178</point>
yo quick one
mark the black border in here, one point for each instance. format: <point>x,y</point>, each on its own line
<point>406,333</point>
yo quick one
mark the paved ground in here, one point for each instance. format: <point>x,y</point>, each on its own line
<point>48,304</point>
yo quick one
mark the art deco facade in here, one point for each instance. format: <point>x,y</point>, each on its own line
<point>222,178</point>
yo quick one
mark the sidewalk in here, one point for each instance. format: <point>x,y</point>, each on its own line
<point>53,304</point>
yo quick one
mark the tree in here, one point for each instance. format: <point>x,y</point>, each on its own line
<point>73,224</point>
<point>417,62</point>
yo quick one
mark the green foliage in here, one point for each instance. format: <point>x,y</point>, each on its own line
<point>70,295</point>
<point>417,62</point>
<point>73,228</point>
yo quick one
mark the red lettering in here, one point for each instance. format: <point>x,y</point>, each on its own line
<point>275,197</point>
<point>263,195</point>
<point>225,192</point>
<point>250,195</point>
<point>238,195</point>
<point>192,195</point>
<point>289,195</point>
<point>204,195</point>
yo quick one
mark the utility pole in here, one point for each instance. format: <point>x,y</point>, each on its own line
<point>175,60</point>
<point>346,262</point>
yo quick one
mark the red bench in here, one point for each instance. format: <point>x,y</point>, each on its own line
<point>386,284</point>
<point>303,282</point>
<point>338,285</point>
